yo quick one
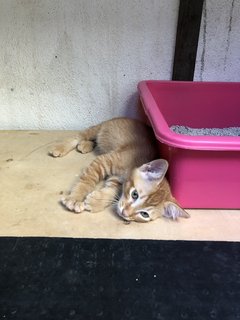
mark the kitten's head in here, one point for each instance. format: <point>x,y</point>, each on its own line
<point>146,195</point>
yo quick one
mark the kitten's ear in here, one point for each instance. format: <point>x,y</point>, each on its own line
<point>154,170</point>
<point>173,211</point>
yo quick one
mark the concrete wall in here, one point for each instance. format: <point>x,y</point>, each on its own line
<point>67,64</point>
<point>218,56</point>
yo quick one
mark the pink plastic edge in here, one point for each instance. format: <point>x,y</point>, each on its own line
<point>165,135</point>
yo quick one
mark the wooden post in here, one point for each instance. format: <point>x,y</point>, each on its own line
<point>189,21</point>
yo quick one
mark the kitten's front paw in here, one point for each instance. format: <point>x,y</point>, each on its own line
<point>95,201</point>
<point>73,205</point>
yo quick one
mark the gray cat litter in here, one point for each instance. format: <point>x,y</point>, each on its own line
<point>223,132</point>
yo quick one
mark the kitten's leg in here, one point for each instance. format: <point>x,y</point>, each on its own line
<point>98,200</point>
<point>97,171</point>
<point>82,141</point>
<point>63,148</point>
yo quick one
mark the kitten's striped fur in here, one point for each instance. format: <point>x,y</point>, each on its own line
<point>122,145</point>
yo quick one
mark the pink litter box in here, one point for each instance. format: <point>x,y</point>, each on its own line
<point>204,171</point>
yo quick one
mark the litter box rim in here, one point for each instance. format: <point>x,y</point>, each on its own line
<point>165,135</point>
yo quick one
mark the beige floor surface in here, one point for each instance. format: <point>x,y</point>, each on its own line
<point>32,184</point>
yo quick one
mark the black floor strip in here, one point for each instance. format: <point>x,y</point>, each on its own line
<point>49,278</point>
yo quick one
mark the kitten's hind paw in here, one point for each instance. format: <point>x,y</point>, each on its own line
<point>73,205</point>
<point>61,149</point>
<point>85,146</point>
<point>58,151</point>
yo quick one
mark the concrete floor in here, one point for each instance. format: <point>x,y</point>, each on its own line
<point>32,184</point>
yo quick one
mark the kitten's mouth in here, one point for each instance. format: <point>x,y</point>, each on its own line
<point>125,218</point>
<point>122,215</point>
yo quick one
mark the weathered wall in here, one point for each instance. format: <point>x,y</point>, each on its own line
<point>218,57</point>
<point>66,64</point>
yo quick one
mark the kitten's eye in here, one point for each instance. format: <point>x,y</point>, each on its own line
<point>144,214</point>
<point>134,194</point>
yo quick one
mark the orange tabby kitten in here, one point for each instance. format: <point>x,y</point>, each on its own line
<point>125,162</point>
